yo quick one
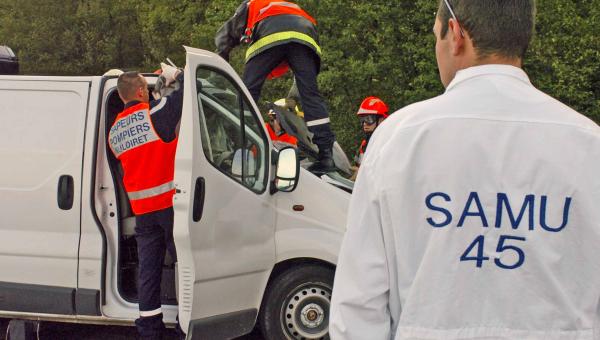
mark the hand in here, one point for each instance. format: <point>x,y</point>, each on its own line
<point>169,72</point>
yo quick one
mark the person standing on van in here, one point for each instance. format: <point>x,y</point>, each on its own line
<point>475,212</point>
<point>281,35</point>
<point>144,139</point>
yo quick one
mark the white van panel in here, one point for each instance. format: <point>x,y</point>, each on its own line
<point>39,136</point>
<point>41,139</point>
<point>317,230</point>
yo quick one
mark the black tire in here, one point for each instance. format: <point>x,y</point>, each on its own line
<point>296,304</point>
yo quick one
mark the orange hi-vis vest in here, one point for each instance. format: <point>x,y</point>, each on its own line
<point>259,10</point>
<point>148,162</point>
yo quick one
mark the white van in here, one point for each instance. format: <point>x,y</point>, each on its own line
<point>248,253</point>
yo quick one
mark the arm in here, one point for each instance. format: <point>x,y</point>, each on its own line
<point>360,301</point>
<point>166,112</point>
<point>229,35</point>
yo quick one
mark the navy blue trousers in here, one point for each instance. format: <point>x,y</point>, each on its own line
<point>305,64</point>
<point>154,236</point>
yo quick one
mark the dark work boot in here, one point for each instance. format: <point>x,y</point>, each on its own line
<point>324,162</point>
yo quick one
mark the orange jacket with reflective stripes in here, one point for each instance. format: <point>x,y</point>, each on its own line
<point>259,10</point>
<point>148,162</point>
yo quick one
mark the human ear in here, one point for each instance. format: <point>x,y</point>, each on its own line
<point>456,37</point>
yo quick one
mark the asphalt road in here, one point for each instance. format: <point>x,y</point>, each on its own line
<point>67,331</point>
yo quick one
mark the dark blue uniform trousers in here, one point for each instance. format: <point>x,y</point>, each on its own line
<point>305,64</point>
<point>154,236</point>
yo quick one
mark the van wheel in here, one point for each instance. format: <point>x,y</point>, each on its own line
<point>296,304</point>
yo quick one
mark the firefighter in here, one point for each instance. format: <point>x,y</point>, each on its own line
<point>281,35</point>
<point>144,139</point>
<point>371,113</point>
<point>276,132</point>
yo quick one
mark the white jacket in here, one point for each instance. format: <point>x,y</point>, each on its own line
<point>476,215</point>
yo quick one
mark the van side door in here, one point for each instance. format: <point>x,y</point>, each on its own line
<point>41,147</point>
<point>227,251</point>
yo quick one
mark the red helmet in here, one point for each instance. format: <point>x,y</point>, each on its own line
<point>373,106</point>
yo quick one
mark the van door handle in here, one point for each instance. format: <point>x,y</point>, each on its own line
<point>198,207</point>
<point>65,192</point>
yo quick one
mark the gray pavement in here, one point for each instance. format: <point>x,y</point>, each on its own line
<point>67,331</point>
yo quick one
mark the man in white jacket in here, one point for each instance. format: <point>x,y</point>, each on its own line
<point>476,213</point>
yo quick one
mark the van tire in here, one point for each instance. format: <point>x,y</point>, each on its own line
<point>296,304</point>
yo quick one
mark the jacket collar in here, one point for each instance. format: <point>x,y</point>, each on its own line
<point>131,103</point>
<point>485,70</point>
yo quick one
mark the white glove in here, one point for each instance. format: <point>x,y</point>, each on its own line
<point>169,72</point>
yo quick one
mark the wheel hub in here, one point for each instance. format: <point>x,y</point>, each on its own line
<point>312,315</point>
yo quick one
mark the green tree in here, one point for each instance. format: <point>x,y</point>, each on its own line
<point>71,37</point>
<point>374,47</point>
<point>564,59</point>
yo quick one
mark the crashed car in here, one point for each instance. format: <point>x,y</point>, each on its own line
<point>9,63</point>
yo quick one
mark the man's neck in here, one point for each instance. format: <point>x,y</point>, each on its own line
<point>498,60</point>
<point>132,103</point>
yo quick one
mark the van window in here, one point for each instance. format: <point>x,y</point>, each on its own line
<point>233,139</point>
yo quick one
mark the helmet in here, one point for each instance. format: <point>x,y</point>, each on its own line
<point>373,106</point>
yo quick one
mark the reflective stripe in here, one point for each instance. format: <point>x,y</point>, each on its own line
<point>145,314</point>
<point>157,190</point>
<point>366,111</point>
<point>160,105</point>
<point>318,122</point>
<point>275,37</point>
<point>287,4</point>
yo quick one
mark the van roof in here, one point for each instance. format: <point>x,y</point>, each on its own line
<point>49,78</point>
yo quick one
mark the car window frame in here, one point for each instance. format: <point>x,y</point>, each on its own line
<point>247,104</point>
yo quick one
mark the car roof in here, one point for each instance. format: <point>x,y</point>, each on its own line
<point>6,51</point>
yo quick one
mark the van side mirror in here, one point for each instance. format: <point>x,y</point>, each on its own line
<point>288,170</point>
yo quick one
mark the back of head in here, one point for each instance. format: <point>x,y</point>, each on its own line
<point>497,27</point>
<point>127,85</point>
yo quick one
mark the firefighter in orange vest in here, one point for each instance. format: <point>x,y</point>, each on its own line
<point>144,139</point>
<point>281,35</point>
<point>372,112</point>
<point>276,132</point>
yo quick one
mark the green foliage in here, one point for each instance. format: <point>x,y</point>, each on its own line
<point>375,47</point>
<point>564,59</point>
<point>71,37</point>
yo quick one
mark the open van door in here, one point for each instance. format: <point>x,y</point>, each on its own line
<point>224,213</point>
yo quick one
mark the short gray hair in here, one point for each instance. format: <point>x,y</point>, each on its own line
<point>497,27</point>
<point>128,83</point>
